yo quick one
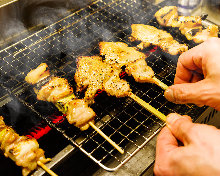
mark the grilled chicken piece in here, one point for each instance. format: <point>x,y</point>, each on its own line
<point>140,71</point>
<point>54,90</point>
<point>190,26</point>
<point>119,53</point>
<point>165,16</point>
<point>57,90</point>
<point>79,114</point>
<point>36,75</point>
<point>23,151</point>
<point>210,31</point>
<point>127,56</point>
<point>92,73</point>
<point>187,21</point>
<point>150,35</point>
<point>116,86</point>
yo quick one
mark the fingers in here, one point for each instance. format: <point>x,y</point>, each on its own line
<point>196,59</point>
<point>198,92</point>
<point>166,143</point>
<point>180,127</point>
<point>189,61</point>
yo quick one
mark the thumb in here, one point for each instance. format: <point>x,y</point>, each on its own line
<point>195,93</point>
<point>180,127</point>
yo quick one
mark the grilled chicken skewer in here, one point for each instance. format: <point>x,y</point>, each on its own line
<point>190,26</point>
<point>149,35</point>
<point>119,54</point>
<point>25,152</point>
<point>59,92</point>
<point>93,74</point>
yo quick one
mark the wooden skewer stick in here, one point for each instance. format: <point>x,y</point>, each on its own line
<point>159,83</point>
<point>106,137</point>
<point>147,106</point>
<point>62,106</point>
<point>46,168</point>
<point>163,86</point>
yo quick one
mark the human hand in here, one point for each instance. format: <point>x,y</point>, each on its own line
<point>197,78</point>
<point>199,154</point>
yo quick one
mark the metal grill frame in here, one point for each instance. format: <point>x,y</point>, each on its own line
<point>33,43</point>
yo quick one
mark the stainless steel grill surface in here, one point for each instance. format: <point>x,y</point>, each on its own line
<point>127,123</point>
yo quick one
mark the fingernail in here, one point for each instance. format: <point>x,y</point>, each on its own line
<point>169,94</point>
<point>171,118</point>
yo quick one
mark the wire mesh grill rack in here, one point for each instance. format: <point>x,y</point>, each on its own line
<point>124,121</point>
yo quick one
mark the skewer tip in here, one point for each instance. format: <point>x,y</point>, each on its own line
<point>106,138</point>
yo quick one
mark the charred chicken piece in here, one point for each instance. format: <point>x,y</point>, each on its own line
<point>165,16</point>
<point>210,31</point>
<point>59,92</point>
<point>190,26</point>
<point>123,55</point>
<point>149,35</point>
<point>25,152</point>
<point>94,74</point>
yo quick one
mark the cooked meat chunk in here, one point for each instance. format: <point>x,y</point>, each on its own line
<point>23,151</point>
<point>190,26</point>
<point>79,114</point>
<point>187,21</point>
<point>166,15</point>
<point>116,86</point>
<point>133,60</point>
<point>94,74</point>
<point>150,35</point>
<point>54,90</point>
<point>119,53</point>
<point>41,72</point>
<point>140,71</point>
<point>210,31</point>
<point>173,47</point>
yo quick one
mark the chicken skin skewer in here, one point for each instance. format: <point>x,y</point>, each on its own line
<point>190,26</point>
<point>25,152</point>
<point>119,54</point>
<point>59,92</point>
<point>149,35</point>
<point>94,74</point>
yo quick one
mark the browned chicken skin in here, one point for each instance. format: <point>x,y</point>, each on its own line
<point>140,71</point>
<point>35,76</point>
<point>56,91</point>
<point>165,16</point>
<point>94,74</point>
<point>119,53</point>
<point>190,26</point>
<point>123,55</point>
<point>149,35</point>
<point>23,151</point>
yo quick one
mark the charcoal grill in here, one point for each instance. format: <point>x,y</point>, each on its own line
<point>59,44</point>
